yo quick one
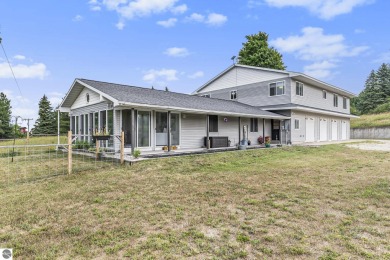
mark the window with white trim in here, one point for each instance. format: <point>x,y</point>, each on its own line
<point>254,127</point>
<point>276,88</point>
<point>233,94</point>
<point>299,89</point>
<point>296,124</point>
<point>206,95</point>
<point>335,100</point>
<point>324,94</point>
<point>344,102</point>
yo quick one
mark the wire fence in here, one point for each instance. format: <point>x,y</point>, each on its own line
<point>31,162</point>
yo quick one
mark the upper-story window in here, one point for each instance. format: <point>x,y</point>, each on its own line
<point>205,95</point>
<point>299,89</point>
<point>276,88</point>
<point>233,94</point>
<point>324,94</point>
<point>335,100</point>
<point>87,97</point>
<point>344,102</point>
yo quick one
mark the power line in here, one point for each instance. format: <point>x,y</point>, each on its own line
<point>9,64</point>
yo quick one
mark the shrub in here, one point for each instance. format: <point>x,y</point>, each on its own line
<point>81,145</point>
<point>136,153</point>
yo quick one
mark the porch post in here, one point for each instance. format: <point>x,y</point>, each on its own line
<point>239,130</point>
<point>263,129</point>
<point>208,132</point>
<point>132,131</point>
<point>169,131</point>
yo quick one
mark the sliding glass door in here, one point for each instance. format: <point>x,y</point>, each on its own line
<point>143,128</point>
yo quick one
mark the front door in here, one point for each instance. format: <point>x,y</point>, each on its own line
<point>162,128</point>
<point>275,129</point>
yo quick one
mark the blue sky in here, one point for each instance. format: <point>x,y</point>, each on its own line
<point>181,43</point>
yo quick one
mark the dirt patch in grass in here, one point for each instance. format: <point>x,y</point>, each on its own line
<point>300,202</point>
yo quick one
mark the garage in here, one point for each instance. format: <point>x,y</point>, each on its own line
<point>323,129</point>
<point>309,129</point>
<point>343,130</point>
<point>334,130</point>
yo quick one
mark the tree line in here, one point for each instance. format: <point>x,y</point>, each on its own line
<point>375,97</point>
<point>46,124</point>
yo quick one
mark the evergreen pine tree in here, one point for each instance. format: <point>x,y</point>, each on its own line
<point>64,123</point>
<point>5,117</point>
<point>256,52</point>
<point>383,75</point>
<point>46,122</point>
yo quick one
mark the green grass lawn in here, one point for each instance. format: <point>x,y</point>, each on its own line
<point>375,120</point>
<point>329,202</point>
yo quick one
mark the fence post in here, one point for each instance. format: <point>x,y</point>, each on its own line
<point>122,147</point>
<point>69,152</point>
<point>97,148</point>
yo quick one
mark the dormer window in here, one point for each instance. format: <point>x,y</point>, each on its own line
<point>87,97</point>
<point>233,94</point>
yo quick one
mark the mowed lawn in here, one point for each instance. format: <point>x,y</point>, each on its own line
<point>329,202</point>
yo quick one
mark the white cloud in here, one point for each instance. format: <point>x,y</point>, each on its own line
<point>359,31</point>
<point>19,57</point>
<point>198,74</point>
<point>215,19</point>
<point>160,76</point>
<point>168,23</point>
<point>212,19</point>
<point>195,17</point>
<point>319,69</point>
<point>77,18</point>
<point>325,9</point>
<point>383,58</point>
<point>313,44</point>
<point>55,98</point>
<point>177,52</point>
<point>180,9</point>
<point>22,107</point>
<point>324,50</point>
<point>120,25</point>
<point>22,71</point>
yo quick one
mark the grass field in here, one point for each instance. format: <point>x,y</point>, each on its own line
<point>330,202</point>
<point>375,120</point>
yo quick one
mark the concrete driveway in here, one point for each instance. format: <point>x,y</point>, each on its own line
<point>373,145</point>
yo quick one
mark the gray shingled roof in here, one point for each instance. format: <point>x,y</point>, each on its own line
<point>138,95</point>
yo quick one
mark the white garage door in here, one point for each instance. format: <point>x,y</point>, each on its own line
<point>309,129</point>
<point>334,129</point>
<point>323,129</point>
<point>343,130</point>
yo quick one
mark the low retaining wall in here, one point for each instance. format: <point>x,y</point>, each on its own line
<point>370,133</point>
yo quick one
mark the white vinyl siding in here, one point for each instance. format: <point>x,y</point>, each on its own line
<point>193,130</point>
<point>242,76</point>
<point>228,126</point>
<point>81,100</point>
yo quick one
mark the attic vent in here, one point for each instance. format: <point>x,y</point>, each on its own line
<point>87,97</point>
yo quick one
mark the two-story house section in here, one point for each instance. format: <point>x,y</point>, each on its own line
<point>318,111</point>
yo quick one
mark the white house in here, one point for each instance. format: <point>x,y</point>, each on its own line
<point>317,110</point>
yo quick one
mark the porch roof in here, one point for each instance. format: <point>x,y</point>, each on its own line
<point>124,95</point>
